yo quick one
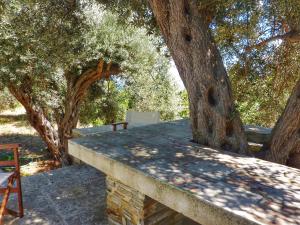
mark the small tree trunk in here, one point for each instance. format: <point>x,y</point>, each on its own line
<point>68,123</point>
<point>215,121</point>
<point>284,145</point>
<point>76,91</point>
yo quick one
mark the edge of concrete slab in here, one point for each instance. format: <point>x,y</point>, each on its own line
<point>177,199</point>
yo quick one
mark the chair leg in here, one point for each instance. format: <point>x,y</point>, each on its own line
<point>5,200</point>
<point>20,199</point>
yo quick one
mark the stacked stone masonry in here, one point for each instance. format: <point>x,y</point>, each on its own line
<point>126,206</point>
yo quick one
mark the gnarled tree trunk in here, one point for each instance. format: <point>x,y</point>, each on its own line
<point>284,145</point>
<point>76,91</point>
<point>57,140</point>
<point>38,120</point>
<point>185,27</point>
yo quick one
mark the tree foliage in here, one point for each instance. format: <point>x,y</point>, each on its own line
<point>261,56</point>
<point>146,86</point>
<point>7,101</point>
<point>258,42</point>
<point>51,52</point>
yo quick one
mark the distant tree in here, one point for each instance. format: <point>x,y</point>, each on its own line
<point>52,52</point>
<point>151,89</point>
<point>103,104</point>
<point>184,104</point>
<point>7,101</point>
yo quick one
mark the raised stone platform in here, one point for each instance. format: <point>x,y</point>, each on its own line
<point>254,134</point>
<point>257,134</point>
<point>126,205</point>
<point>83,132</point>
<point>208,186</point>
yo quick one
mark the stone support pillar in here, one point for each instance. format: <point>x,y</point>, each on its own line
<point>126,206</point>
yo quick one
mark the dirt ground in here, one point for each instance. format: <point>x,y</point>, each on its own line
<point>14,128</point>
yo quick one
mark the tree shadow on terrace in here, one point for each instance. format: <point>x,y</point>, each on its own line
<point>262,191</point>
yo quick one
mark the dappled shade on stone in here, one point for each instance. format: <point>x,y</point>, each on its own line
<point>204,184</point>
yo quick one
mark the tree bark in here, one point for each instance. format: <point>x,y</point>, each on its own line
<point>284,145</point>
<point>76,91</point>
<point>38,120</point>
<point>185,27</point>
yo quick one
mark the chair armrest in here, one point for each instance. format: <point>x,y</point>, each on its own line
<point>11,163</point>
<point>9,146</point>
<point>119,123</point>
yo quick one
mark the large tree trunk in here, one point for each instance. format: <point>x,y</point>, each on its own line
<point>38,120</point>
<point>215,121</point>
<point>284,145</point>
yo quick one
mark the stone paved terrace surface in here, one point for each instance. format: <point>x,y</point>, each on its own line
<point>87,131</point>
<point>209,186</point>
<point>72,195</point>
<point>255,134</point>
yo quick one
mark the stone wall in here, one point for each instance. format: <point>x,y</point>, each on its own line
<point>126,206</point>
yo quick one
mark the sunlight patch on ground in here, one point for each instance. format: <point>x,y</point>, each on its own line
<point>15,122</point>
<point>14,128</point>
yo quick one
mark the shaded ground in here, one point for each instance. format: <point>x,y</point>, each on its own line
<point>68,196</point>
<point>72,195</point>
<point>14,128</point>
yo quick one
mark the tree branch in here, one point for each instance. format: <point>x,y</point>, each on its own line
<point>77,91</point>
<point>291,36</point>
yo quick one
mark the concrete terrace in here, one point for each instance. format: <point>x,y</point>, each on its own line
<point>72,195</point>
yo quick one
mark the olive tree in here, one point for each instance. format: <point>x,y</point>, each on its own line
<point>52,52</point>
